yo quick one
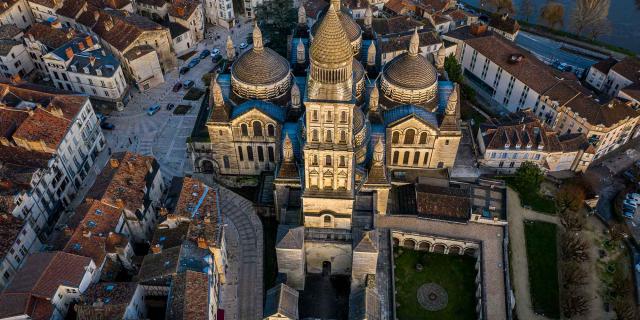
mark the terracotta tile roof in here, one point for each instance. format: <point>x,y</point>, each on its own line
<point>138,51</point>
<point>457,14</point>
<point>504,23</point>
<point>50,36</point>
<point>10,228</point>
<point>632,91</point>
<point>167,238</point>
<point>521,130</point>
<point>122,29</point>
<point>124,179</point>
<point>395,25</point>
<point>6,5</point>
<point>575,142</point>
<point>47,3</point>
<point>189,297</point>
<point>443,202</point>
<point>313,8</point>
<point>43,272</point>
<point>10,120</point>
<point>89,238</point>
<point>531,71</point>
<point>154,3</point>
<point>26,95</point>
<point>183,9</point>
<point>43,126</point>
<point>16,304</point>
<point>106,300</point>
<point>434,5</point>
<point>605,65</point>
<point>160,266</point>
<point>401,42</point>
<point>629,68</point>
<point>72,8</point>
<point>399,6</point>
<point>17,167</point>
<point>196,200</point>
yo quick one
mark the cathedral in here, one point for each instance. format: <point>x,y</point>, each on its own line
<point>334,127</point>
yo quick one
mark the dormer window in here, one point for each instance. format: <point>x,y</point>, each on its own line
<point>528,145</point>
<point>540,146</point>
<point>507,145</point>
<point>86,70</point>
<point>518,146</point>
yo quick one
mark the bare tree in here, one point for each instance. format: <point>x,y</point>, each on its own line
<point>574,247</point>
<point>527,9</point>
<point>599,28</point>
<point>590,14</point>
<point>572,220</point>
<point>570,197</point>
<point>573,275</point>
<point>552,14</point>
<point>624,308</point>
<point>502,6</point>
<point>574,304</point>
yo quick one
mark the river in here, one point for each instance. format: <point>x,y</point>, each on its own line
<point>624,16</point>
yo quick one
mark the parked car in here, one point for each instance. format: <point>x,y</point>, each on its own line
<point>193,62</point>
<point>101,117</point>
<point>205,53</point>
<point>243,45</point>
<point>153,109</point>
<point>107,126</point>
<point>215,51</point>
<point>184,70</point>
<point>170,106</point>
<point>177,87</point>
<point>216,58</point>
<point>188,84</point>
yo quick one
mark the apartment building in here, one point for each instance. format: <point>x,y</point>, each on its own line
<point>153,9</point>
<point>14,57</point>
<point>82,65</point>
<point>393,45</point>
<point>219,12</point>
<point>49,143</point>
<point>505,26</point>
<point>47,285</point>
<point>112,300</point>
<point>512,79</point>
<point>16,12</point>
<point>516,138</point>
<point>45,10</point>
<point>43,38</point>
<point>189,14</point>
<point>17,239</point>
<point>617,78</point>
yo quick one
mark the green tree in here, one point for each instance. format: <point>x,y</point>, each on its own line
<point>528,177</point>
<point>453,68</point>
<point>276,20</point>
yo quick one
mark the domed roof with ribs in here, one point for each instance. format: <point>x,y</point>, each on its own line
<point>331,46</point>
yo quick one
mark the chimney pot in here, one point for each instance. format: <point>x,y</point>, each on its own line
<point>114,163</point>
<point>69,53</point>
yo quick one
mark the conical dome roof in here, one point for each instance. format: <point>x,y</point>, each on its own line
<point>350,26</point>
<point>331,46</point>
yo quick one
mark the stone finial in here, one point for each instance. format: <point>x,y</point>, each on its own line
<point>371,54</point>
<point>231,50</point>
<point>442,55</point>
<point>257,37</point>
<point>368,17</point>
<point>300,55</point>
<point>414,45</point>
<point>218,98</point>
<point>452,103</point>
<point>287,148</point>
<point>302,15</point>
<point>378,153</point>
<point>336,5</point>
<point>295,96</point>
<point>374,99</point>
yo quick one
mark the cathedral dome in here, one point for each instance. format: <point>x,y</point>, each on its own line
<point>260,73</point>
<point>350,26</point>
<point>409,77</point>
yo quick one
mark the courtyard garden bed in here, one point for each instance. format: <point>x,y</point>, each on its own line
<point>542,258</point>
<point>182,109</point>
<point>454,273</point>
<point>193,94</point>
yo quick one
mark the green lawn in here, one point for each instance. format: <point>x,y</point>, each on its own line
<point>542,257</point>
<point>454,273</point>
<point>534,200</point>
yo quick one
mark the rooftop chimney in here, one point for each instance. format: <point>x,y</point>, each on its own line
<point>478,29</point>
<point>69,53</point>
<point>108,23</point>
<point>89,41</point>
<point>180,11</point>
<point>15,79</point>
<point>114,163</point>
<point>86,233</point>
<point>120,203</point>
<point>156,249</point>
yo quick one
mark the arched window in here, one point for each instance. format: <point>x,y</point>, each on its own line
<point>395,157</point>
<point>425,161</point>
<point>416,158</point>
<point>327,160</point>
<point>343,116</point>
<point>409,136</point>
<point>249,153</point>
<point>244,130</point>
<point>260,154</point>
<point>327,219</point>
<point>342,161</point>
<point>314,135</point>
<point>395,137</point>
<point>329,137</point>
<point>405,159</point>
<point>314,115</point>
<point>343,136</point>
<point>240,155</point>
<point>315,160</point>
<point>329,116</point>
<point>225,160</point>
<point>257,129</point>
<point>423,138</point>
<point>271,130</point>
<point>272,157</point>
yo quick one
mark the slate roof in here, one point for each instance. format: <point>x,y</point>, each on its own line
<point>605,65</point>
<point>275,112</point>
<point>392,115</point>
<point>519,130</point>
<point>290,237</point>
<point>629,67</point>
<point>94,61</point>
<point>400,42</point>
<point>282,300</point>
<point>436,202</point>
<point>393,25</point>
<point>367,244</point>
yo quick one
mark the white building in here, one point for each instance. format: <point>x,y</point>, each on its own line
<point>617,78</point>
<point>49,282</point>
<point>45,10</point>
<point>47,152</point>
<point>17,240</point>
<point>190,15</point>
<point>81,65</point>
<point>394,45</point>
<point>144,65</point>
<point>183,41</point>
<point>15,12</point>
<point>219,12</point>
<point>14,57</point>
